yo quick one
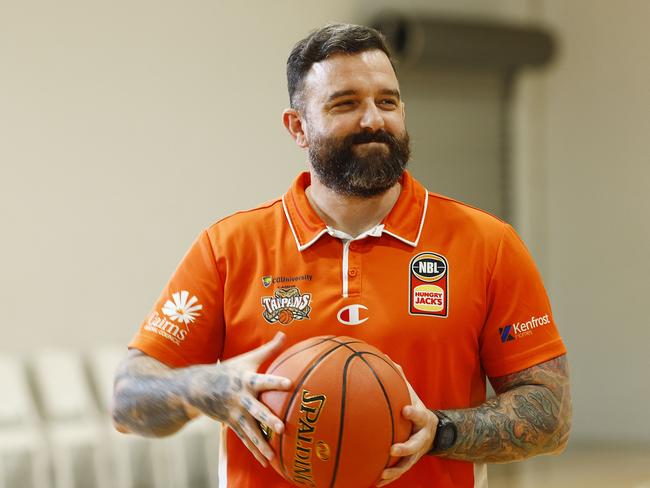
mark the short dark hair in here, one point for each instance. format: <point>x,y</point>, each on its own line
<point>322,43</point>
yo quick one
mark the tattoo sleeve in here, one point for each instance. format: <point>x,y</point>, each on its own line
<point>148,397</point>
<point>530,415</point>
<point>154,400</point>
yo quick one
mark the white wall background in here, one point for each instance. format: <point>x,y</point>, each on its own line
<point>125,127</point>
<point>595,151</point>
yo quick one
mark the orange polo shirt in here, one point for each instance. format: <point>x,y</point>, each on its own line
<point>447,291</point>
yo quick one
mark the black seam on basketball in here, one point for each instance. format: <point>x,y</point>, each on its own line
<point>341,419</point>
<point>325,339</point>
<point>389,363</point>
<point>381,385</point>
<point>333,339</point>
<point>297,387</point>
<point>390,409</point>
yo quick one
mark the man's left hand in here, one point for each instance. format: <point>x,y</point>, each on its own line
<point>425,423</point>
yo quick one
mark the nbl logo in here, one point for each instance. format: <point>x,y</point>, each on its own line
<point>429,285</point>
<point>429,267</point>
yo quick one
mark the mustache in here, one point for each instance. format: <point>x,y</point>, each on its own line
<point>364,137</point>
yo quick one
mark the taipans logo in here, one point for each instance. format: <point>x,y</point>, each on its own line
<point>286,305</point>
<point>519,330</point>
<point>178,313</point>
<point>425,297</point>
<point>351,315</point>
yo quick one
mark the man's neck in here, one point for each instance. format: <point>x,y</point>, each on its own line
<point>352,215</point>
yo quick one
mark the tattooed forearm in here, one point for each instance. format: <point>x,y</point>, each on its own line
<point>153,400</point>
<point>530,415</point>
<point>148,397</point>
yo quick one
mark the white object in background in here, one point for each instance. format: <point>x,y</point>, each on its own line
<point>74,430</point>
<point>130,455</point>
<point>23,455</point>
<point>187,459</point>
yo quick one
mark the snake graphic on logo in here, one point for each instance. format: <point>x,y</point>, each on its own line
<point>286,305</point>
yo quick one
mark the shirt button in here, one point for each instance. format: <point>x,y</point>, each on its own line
<point>353,272</point>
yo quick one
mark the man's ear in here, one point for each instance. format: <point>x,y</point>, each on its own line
<point>293,121</point>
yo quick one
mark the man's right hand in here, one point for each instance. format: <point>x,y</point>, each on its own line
<point>228,392</point>
<point>152,399</point>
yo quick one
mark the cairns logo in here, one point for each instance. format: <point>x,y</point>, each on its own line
<point>520,330</point>
<point>286,305</point>
<point>179,312</point>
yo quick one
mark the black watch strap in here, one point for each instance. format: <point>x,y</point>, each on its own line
<point>446,433</point>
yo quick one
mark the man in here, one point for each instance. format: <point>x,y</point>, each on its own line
<point>360,248</point>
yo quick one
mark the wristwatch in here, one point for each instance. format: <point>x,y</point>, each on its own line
<point>446,433</point>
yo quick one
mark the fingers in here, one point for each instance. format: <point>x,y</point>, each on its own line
<point>391,474</point>
<point>418,442</point>
<point>261,412</point>
<point>419,416</point>
<point>266,350</point>
<point>414,448</point>
<point>252,438</point>
<point>261,382</point>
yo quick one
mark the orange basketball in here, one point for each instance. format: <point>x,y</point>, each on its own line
<point>341,417</point>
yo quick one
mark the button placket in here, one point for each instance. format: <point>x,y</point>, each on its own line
<point>354,270</point>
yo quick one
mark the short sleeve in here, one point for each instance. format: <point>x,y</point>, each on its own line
<point>519,331</point>
<point>186,323</point>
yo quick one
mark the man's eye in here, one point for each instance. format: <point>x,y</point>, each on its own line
<point>389,102</point>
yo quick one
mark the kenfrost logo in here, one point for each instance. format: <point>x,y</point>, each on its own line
<point>505,333</point>
<point>519,330</point>
<point>181,309</point>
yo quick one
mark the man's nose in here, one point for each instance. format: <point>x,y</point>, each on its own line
<point>371,118</point>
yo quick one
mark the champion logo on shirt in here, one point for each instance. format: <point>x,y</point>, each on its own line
<point>351,315</point>
<point>519,330</point>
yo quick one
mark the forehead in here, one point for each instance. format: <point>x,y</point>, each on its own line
<point>365,71</point>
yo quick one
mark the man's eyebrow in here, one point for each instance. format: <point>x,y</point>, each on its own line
<point>388,91</point>
<point>345,93</point>
<point>340,93</point>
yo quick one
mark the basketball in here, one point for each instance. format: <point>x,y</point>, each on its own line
<point>341,417</point>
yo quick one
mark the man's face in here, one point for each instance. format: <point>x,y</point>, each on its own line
<point>354,123</point>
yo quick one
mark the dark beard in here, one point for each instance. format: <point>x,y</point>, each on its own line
<point>339,169</point>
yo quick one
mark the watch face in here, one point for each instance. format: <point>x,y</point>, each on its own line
<point>447,434</point>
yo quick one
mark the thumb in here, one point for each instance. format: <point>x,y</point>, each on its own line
<point>260,354</point>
